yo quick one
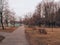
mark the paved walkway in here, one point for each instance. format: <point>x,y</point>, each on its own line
<point>15,38</point>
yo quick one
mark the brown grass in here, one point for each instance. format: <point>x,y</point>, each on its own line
<point>35,38</point>
<point>8,29</point>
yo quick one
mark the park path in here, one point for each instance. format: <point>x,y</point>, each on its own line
<point>15,38</point>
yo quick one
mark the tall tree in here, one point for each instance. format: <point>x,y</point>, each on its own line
<point>1,13</point>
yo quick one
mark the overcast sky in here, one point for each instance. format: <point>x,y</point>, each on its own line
<point>22,7</point>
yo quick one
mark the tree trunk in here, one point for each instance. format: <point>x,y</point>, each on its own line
<point>6,22</point>
<point>2,21</point>
<point>14,23</point>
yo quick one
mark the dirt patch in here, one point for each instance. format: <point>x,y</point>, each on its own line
<point>51,38</point>
<point>8,29</point>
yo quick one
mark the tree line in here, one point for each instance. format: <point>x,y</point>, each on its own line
<point>47,14</point>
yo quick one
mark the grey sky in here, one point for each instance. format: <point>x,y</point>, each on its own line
<point>21,7</point>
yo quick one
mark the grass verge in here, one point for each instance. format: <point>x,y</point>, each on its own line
<point>35,38</point>
<point>8,29</point>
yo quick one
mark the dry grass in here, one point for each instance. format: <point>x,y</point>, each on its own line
<point>8,29</point>
<point>35,38</point>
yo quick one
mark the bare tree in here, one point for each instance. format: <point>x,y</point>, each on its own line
<point>1,14</point>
